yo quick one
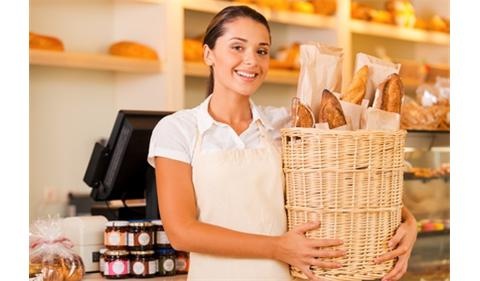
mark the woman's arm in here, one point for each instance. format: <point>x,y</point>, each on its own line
<point>402,244</point>
<point>179,215</point>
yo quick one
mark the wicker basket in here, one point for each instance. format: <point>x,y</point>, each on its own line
<point>352,182</point>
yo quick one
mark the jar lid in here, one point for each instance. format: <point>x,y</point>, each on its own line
<point>142,253</point>
<point>157,222</point>
<point>140,224</point>
<point>165,251</point>
<point>116,253</point>
<point>116,223</point>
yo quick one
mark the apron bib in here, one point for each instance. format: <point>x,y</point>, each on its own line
<point>239,189</point>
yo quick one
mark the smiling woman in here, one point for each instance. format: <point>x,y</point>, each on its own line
<point>218,168</point>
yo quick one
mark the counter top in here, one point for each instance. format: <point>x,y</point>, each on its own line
<point>98,277</point>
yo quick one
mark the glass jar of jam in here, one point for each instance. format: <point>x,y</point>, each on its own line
<point>143,264</point>
<point>161,239</point>
<point>166,261</point>
<point>140,236</point>
<point>115,235</point>
<point>117,264</point>
<point>182,261</point>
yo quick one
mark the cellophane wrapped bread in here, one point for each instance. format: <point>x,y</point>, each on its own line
<point>51,257</point>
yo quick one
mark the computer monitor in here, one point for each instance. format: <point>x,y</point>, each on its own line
<point>119,169</point>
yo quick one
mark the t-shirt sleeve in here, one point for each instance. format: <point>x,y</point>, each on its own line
<point>279,117</point>
<point>170,139</point>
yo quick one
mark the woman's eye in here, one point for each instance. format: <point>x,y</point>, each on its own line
<point>263,52</point>
<point>237,48</point>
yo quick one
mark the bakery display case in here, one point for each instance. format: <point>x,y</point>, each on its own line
<point>427,195</point>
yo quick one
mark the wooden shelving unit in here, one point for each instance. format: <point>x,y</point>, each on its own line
<point>93,61</point>
<point>278,76</point>
<point>395,32</point>
<point>284,17</point>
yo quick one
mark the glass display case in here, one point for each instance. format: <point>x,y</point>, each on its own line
<point>427,195</point>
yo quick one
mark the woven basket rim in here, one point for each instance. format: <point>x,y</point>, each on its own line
<point>335,132</point>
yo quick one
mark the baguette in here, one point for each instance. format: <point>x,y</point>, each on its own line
<point>331,111</point>
<point>357,88</point>
<point>393,93</point>
<point>302,115</point>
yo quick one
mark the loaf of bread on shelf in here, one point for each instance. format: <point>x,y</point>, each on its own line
<point>393,93</point>
<point>44,42</point>
<point>192,50</point>
<point>360,11</point>
<point>325,7</point>
<point>302,115</point>
<point>358,87</point>
<point>331,111</point>
<point>133,50</point>
<point>302,6</point>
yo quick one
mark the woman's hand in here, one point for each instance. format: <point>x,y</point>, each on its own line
<point>402,244</point>
<point>297,250</point>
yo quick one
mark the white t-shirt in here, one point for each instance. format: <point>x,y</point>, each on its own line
<point>174,136</point>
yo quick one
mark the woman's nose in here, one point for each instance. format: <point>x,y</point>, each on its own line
<point>250,58</point>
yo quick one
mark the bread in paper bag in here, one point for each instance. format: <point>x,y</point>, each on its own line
<point>357,88</point>
<point>320,68</point>
<point>378,70</point>
<point>393,93</point>
<point>302,115</point>
<point>385,112</point>
<point>331,111</point>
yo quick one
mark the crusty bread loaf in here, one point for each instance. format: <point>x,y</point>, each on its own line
<point>357,88</point>
<point>44,42</point>
<point>192,50</point>
<point>331,111</point>
<point>302,115</point>
<point>133,50</point>
<point>393,93</point>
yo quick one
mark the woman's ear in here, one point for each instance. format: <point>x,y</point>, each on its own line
<point>207,55</point>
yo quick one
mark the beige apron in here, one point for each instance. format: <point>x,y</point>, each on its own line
<point>239,189</point>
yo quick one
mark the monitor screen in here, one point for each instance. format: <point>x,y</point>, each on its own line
<point>119,169</point>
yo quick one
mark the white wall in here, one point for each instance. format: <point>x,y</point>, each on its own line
<point>69,111</point>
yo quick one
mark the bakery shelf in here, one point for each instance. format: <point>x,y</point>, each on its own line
<point>395,32</point>
<point>411,176</point>
<point>93,61</point>
<point>276,76</point>
<point>284,17</point>
<point>433,233</point>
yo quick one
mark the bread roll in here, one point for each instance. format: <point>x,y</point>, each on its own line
<point>325,7</point>
<point>357,88</point>
<point>44,42</point>
<point>133,50</point>
<point>331,111</point>
<point>302,115</point>
<point>192,50</point>
<point>393,93</point>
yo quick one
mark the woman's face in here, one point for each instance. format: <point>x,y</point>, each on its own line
<point>240,58</point>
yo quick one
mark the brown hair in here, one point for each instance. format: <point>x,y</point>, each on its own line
<point>216,29</point>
